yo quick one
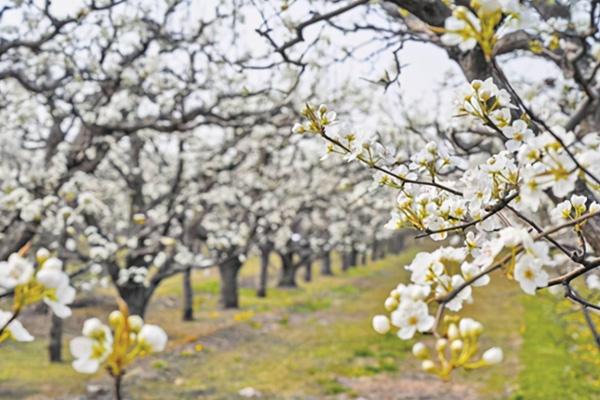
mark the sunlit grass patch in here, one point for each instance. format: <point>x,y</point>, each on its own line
<point>559,359</point>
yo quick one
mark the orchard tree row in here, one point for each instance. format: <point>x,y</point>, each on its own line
<point>139,141</point>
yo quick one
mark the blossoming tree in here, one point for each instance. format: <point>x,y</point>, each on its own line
<point>510,183</point>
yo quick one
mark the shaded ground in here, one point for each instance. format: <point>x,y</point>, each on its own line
<point>311,343</point>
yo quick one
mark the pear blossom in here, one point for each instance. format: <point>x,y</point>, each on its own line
<point>518,133</point>
<point>451,283</point>
<point>59,294</point>
<point>411,317</point>
<point>458,32</point>
<point>153,338</point>
<point>93,348</point>
<point>15,329</point>
<point>530,274</point>
<point>470,270</point>
<point>16,271</point>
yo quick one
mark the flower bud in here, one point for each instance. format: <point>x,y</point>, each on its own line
<point>135,323</point>
<point>381,324</point>
<point>42,255</point>
<point>428,366</point>
<point>470,328</point>
<point>390,304</point>
<point>477,329</point>
<point>154,337</point>
<point>493,356</point>
<point>93,327</point>
<point>116,318</point>
<point>420,351</point>
<point>441,344</point>
<point>456,345</point>
<point>460,12</point>
<point>139,219</point>
<point>431,147</point>
<point>453,333</point>
<point>298,128</point>
<point>53,263</point>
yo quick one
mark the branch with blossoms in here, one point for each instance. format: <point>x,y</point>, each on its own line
<point>30,282</point>
<point>447,275</point>
<point>527,160</point>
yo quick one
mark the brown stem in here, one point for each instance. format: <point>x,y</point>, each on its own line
<point>117,387</point>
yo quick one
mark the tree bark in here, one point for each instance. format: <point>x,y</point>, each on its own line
<point>228,270</point>
<point>353,257</point>
<point>188,296</point>
<point>382,250</point>
<point>362,258</point>
<point>263,279</point>
<point>55,343</point>
<point>375,250</point>
<point>288,270</point>
<point>136,297</point>
<point>346,262</point>
<point>308,271</point>
<point>326,264</point>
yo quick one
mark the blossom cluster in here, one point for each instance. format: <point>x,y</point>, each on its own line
<point>442,194</point>
<point>31,282</point>
<point>483,27</point>
<point>116,345</point>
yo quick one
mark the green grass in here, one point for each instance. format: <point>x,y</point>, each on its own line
<point>304,342</point>
<point>25,370</point>
<point>320,332</point>
<point>555,353</point>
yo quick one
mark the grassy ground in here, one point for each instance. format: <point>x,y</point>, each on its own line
<point>316,342</point>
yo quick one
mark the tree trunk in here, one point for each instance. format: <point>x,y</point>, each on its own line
<point>288,270</point>
<point>383,250</point>
<point>263,279</point>
<point>362,258</point>
<point>55,343</point>
<point>326,264</point>
<point>353,257</point>
<point>308,271</point>
<point>136,297</point>
<point>375,250</point>
<point>346,261</point>
<point>228,270</point>
<point>188,296</point>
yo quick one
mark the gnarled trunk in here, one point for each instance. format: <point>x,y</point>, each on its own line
<point>308,271</point>
<point>353,254</point>
<point>136,297</point>
<point>288,270</point>
<point>326,264</point>
<point>228,270</point>
<point>188,296</point>
<point>346,261</point>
